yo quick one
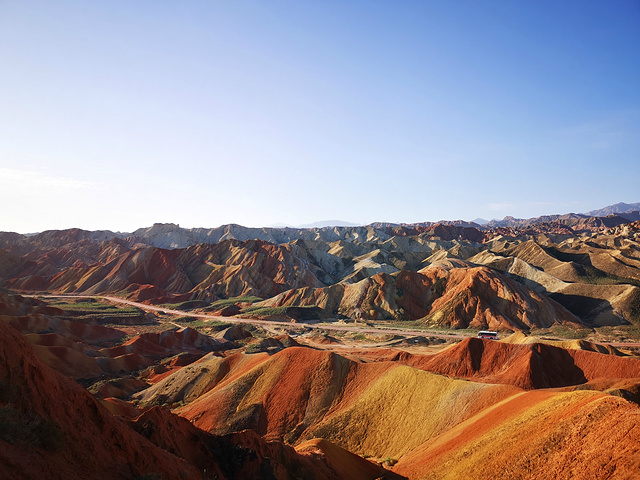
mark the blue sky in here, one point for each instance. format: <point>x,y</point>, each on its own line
<point>118,114</point>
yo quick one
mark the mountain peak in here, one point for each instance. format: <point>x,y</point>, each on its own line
<point>615,209</point>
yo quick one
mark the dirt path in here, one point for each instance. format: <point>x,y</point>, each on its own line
<point>266,323</point>
<point>301,326</point>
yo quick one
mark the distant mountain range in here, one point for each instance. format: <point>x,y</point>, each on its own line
<point>615,214</point>
<point>616,209</point>
<point>329,223</point>
<point>169,235</point>
<point>625,212</point>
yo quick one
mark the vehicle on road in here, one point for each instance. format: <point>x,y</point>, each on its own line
<point>488,334</point>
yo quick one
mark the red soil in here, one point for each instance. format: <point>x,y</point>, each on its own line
<point>120,407</point>
<point>83,438</point>
<point>293,390</point>
<point>526,366</point>
<point>120,388</point>
<point>454,440</point>
<point>86,437</point>
<point>451,295</point>
<point>159,372</point>
<point>55,340</point>
<point>483,298</point>
<point>74,331</point>
<point>242,455</point>
<point>349,465</point>
<point>164,344</point>
<point>227,269</point>
<point>579,436</point>
<point>125,363</point>
<point>69,361</point>
<point>326,340</point>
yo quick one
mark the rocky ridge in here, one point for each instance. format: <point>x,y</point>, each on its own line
<point>354,272</point>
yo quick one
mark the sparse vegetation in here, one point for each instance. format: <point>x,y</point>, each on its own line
<point>185,319</point>
<point>264,311</point>
<point>310,312</point>
<point>602,278</point>
<point>186,305</point>
<point>94,310</point>
<point>389,461</point>
<point>29,428</point>
<point>255,348</point>
<point>565,332</point>
<point>199,323</point>
<point>619,333</point>
<point>397,382</point>
<point>427,329</point>
<point>225,302</point>
<point>93,306</point>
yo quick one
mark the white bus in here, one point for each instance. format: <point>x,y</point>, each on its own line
<point>488,334</point>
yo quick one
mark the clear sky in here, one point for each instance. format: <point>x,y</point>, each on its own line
<point>118,114</point>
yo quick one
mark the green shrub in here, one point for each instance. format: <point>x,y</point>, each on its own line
<point>569,332</point>
<point>225,302</point>
<point>389,461</point>
<point>255,348</point>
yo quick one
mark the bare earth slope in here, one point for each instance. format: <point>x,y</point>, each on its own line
<point>434,425</point>
<point>578,435</point>
<point>445,294</point>
<point>230,268</point>
<point>52,427</point>
<point>529,366</point>
<point>596,279</point>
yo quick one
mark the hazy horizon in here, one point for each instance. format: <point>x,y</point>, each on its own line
<point>317,224</point>
<point>117,115</point>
